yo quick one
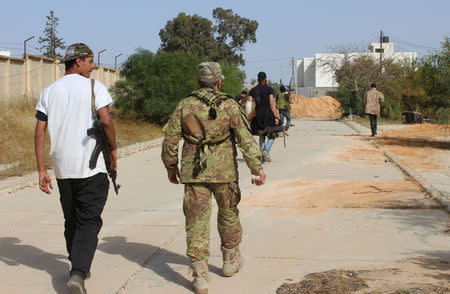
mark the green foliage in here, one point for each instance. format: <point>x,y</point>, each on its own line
<point>222,43</point>
<point>232,33</point>
<point>189,34</point>
<point>153,84</point>
<point>391,109</point>
<point>51,42</point>
<point>350,100</point>
<point>434,74</point>
<point>234,79</point>
<point>443,116</point>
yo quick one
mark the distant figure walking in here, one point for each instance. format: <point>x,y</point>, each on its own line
<point>265,115</point>
<point>284,102</point>
<point>372,99</point>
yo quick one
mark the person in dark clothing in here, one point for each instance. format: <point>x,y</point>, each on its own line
<point>265,115</point>
<point>240,98</point>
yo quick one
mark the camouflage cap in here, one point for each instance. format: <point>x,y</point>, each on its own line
<point>210,72</point>
<point>77,50</point>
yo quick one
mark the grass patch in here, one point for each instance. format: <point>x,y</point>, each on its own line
<point>129,132</point>
<point>17,124</point>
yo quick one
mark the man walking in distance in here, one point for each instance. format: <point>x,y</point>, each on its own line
<point>372,99</point>
<point>284,102</point>
<point>65,108</point>
<point>211,124</point>
<point>264,115</point>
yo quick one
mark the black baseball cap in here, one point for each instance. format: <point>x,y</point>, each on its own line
<point>261,76</point>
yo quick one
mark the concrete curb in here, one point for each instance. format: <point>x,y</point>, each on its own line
<point>14,184</point>
<point>437,195</point>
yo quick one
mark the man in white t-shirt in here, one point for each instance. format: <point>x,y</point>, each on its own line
<point>65,109</point>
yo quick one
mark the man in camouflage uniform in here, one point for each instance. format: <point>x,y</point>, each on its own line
<point>211,124</point>
<point>372,99</point>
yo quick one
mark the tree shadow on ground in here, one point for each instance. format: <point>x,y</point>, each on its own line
<point>14,254</point>
<point>411,142</point>
<point>423,221</point>
<point>436,261</point>
<point>147,255</point>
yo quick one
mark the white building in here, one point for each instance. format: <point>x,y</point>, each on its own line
<point>315,77</point>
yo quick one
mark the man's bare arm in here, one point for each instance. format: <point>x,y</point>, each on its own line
<point>39,148</point>
<point>274,109</point>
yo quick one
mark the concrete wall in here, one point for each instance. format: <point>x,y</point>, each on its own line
<point>324,72</point>
<point>29,76</point>
<point>309,72</point>
<point>311,92</point>
<point>300,70</point>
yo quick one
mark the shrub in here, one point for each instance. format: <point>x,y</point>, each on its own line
<point>391,109</point>
<point>443,115</point>
<point>153,84</point>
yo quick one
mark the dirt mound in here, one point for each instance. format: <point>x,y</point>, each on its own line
<point>325,107</point>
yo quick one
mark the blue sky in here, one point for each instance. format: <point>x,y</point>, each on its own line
<point>286,28</point>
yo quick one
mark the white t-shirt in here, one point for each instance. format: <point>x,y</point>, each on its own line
<point>67,104</point>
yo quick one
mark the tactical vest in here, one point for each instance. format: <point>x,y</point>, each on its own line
<point>283,101</point>
<point>212,99</point>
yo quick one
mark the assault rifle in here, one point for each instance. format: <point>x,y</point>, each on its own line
<point>275,132</point>
<point>102,145</point>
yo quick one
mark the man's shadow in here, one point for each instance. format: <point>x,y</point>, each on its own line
<point>13,254</point>
<point>155,258</point>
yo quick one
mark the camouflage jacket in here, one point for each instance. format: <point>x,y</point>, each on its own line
<point>229,128</point>
<point>372,99</point>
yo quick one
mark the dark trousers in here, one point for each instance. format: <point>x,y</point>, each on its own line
<point>373,123</point>
<point>82,202</point>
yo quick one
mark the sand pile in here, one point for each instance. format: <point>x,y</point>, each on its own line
<point>323,107</point>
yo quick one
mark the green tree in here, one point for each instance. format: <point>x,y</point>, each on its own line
<point>223,42</point>
<point>51,42</point>
<point>153,84</point>
<point>189,34</point>
<point>434,75</point>
<point>233,32</point>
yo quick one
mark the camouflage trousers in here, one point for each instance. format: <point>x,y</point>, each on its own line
<point>197,210</point>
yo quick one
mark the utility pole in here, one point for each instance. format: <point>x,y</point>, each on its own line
<point>293,75</point>
<point>381,49</point>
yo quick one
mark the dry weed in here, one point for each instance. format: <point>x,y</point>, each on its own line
<point>17,124</point>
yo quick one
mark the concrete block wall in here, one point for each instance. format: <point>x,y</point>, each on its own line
<point>29,76</point>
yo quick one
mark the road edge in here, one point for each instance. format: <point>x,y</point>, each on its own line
<point>426,186</point>
<point>14,184</point>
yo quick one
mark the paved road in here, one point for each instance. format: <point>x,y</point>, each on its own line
<point>141,247</point>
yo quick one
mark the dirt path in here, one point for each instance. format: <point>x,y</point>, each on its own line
<point>333,205</point>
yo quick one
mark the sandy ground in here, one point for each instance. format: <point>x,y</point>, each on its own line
<point>424,148</point>
<point>334,217</point>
